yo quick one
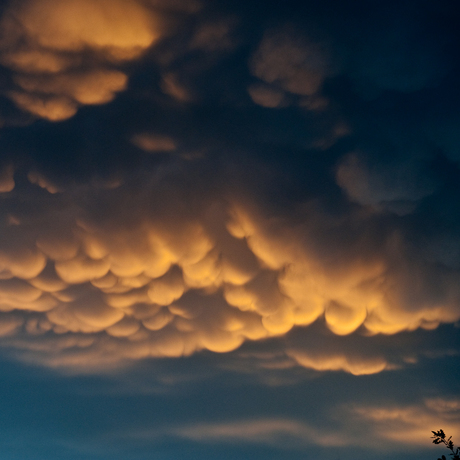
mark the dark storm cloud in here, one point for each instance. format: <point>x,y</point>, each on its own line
<point>221,176</point>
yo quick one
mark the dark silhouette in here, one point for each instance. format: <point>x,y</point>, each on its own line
<point>440,438</point>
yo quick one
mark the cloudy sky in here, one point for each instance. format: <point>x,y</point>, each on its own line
<point>229,229</point>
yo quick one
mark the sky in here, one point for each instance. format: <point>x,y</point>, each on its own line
<point>229,229</point>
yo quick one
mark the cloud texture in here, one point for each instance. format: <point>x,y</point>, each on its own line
<point>97,275</point>
<point>250,182</point>
<point>65,54</point>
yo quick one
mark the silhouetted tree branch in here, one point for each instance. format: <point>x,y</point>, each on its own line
<point>440,438</point>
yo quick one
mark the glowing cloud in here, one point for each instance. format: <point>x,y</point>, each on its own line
<point>120,28</point>
<point>339,362</point>
<point>62,52</point>
<point>7,179</point>
<point>409,423</point>
<point>171,281</point>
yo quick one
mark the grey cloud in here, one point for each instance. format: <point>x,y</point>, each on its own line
<point>396,187</point>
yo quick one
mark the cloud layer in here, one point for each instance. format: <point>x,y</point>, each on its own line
<point>96,275</point>
<point>65,54</point>
<point>191,215</point>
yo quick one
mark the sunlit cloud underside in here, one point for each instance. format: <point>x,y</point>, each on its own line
<point>99,275</point>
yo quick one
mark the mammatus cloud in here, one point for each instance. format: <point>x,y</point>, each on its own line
<point>288,63</point>
<point>7,179</point>
<point>94,276</point>
<point>67,53</point>
<point>395,188</point>
<point>340,361</point>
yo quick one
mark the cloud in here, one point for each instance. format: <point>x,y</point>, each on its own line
<point>214,36</point>
<point>9,324</point>
<point>384,186</point>
<point>409,424</point>
<point>122,30</point>
<point>49,107</point>
<point>153,142</point>
<point>184,6</point>
<point>339,361</point>
<point>289,63</point>
<point>172,86</point>
<point>64,54</point>
<point>262,431</point>
<point>7,179</point>
<point>38,179</point>
<point>385,429</point>
<point>402,424</point>
<point>266,96</point>
<point>285,220</point>
<point>132,272</point>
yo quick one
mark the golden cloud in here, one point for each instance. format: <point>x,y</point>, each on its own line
<point>7,179</point>
<point>121,28</point>
<point>172,280</point>
<point>337,361</point>
<point>408,424</point>
<point>153,142</point>
<point>62,52</point>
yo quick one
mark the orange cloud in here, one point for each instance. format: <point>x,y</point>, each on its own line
<point>38,179</point>
<point>7,179</point>
<point>122,29</point>
<point>52,108</point>
<point>174,280</point>
<point>266,96</point>
<point>174,88</point>
<point>62,52</point>
<point>337,361</point>
<point>9,324</point>
<point>261,431</point>
<point>408,424</point>
<point>153,143</point>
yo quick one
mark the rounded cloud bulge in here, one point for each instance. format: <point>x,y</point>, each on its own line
<point>247,185</point>
<point>64,54</point>
<point>131,272</point>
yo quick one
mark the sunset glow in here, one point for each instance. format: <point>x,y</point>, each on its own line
<point>228,230</point>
